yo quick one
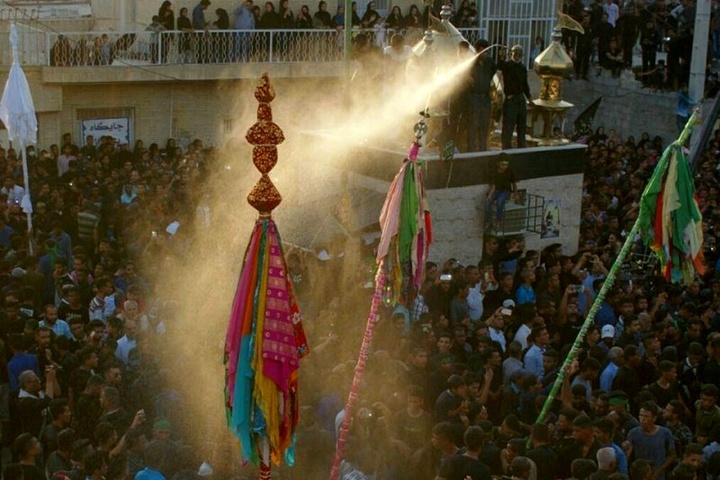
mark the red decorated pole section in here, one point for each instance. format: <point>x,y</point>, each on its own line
<point>359,370</point>
<point>264,471</point>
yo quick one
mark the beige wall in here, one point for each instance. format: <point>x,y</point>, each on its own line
<point>458,215</point>
<point>217,112</point>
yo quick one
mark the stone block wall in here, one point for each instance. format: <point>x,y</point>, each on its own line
<point>626,106</point>
<point>458,215</point>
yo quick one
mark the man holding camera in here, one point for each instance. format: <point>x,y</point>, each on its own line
<point>32,400</point>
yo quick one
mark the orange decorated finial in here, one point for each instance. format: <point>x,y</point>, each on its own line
<point>264,136</point>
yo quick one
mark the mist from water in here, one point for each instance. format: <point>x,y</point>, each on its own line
<point>201,271</point>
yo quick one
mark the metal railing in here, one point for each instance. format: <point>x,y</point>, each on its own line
<point>212,47</point>
<point>519,22</point>
<point>73,49</point>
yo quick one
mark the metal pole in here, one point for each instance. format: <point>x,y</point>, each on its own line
<point>698,64</point>
<point>26,181</point>
<point>47,48</point>
<point>123,16</point>
<point>610,279</point>
<point>347,32</point>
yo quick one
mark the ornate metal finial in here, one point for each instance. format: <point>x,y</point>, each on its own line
<point>428,37</point>
<point>556,34</point>
<point>264,135</point>
<point>551,66</point>
<point>446,13</point>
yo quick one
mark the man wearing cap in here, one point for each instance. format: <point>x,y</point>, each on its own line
<point>517,90</point>
<point>607,338</point>
<point>620,413</point>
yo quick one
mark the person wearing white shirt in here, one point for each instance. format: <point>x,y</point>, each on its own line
<point>521,335</point>
<point>63,161</point>
<point>612,11</point>
<point>534,356</point>
<point>14,192</point>
<point>495,326</point>
<point>475,296</point>
<point>127,342</point>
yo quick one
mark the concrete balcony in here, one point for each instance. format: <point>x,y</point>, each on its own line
<point>142,56</point>
<point>192,72</point>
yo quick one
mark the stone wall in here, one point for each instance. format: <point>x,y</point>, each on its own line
<point>458,215</point>
<point>626,106</point>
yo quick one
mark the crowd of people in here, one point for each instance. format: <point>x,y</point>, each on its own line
<point>613,30</point>
<point>456,381</point>
<point>83,391</point>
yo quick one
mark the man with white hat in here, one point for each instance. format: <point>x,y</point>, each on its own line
<point>607,337</point>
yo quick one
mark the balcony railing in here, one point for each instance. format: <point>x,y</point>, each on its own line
<point>211,47</point>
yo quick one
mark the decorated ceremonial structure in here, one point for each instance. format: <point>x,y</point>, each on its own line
<point>406,235</point>
<point>265,339</point>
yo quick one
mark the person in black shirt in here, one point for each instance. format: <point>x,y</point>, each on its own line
<point>502,186</point>
<point>515,81</point>
<point>460,467</point>
<point>479,99</point>
<point>649,42</point>
<point>545,458</point>
<point>32,401</point>
<point>28,448</point>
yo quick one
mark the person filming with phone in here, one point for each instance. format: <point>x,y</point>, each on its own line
<point>587,270</point>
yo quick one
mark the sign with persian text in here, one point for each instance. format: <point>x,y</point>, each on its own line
<point>118,128</point>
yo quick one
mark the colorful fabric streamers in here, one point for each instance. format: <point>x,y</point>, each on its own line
<point>670,218</point>
<point>264,344</point>
<point>265,339</point>
<point>404,245</point>
<point>406,231</point>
